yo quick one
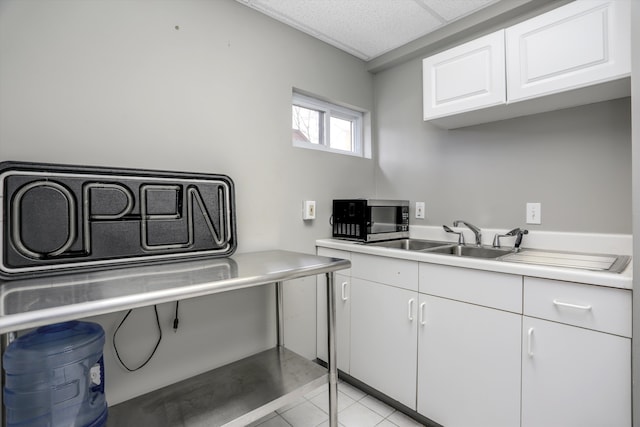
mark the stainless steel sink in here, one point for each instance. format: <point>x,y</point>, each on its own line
<point>611,263</point>
<point>471,251</point>
<point>437,247</point>
<point>409,244</point>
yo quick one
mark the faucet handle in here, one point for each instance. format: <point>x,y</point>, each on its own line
<point>496,238</point>
<point>520,233</point>
<point>460,235</point>
<point>516,232</point>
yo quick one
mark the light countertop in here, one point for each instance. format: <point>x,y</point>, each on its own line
<point>622,280</point>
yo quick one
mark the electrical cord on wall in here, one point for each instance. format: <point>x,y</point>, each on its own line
<point>155,308</point>
<point>175,319</point>
<point>115,348</point>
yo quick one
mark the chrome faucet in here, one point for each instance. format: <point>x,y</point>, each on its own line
<point>516,232</point>
<point>471,227</point>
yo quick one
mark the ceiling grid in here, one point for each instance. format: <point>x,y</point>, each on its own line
<point>367,28</point>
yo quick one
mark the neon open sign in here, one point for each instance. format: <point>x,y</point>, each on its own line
<point>57,218</point>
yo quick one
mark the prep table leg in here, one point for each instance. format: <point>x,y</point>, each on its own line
<point>280,313</point>
<point>5,340</point>
<point>332,356</point>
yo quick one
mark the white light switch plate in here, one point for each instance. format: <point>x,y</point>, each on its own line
<point>534,213</point>
<point>420,210</point>
<point>309,209</point>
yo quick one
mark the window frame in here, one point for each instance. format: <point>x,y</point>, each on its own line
<point>329,110</point>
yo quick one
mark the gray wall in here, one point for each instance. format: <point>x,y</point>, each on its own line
<point>576,162</point>
<point>635,107</point>
<point>114,83</point>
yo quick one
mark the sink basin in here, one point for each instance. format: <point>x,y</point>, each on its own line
<point>471,251</point>
<point>409,244</point>
<point>436,247</point>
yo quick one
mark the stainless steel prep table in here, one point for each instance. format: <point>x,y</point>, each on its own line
<point>252,394</point>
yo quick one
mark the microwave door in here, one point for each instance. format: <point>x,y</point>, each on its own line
<point>384,219</point>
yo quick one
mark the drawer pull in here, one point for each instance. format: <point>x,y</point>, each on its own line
<point>422,321</point>
<point>344,293</point>
<point>530,342</point>
<point>576,306</point>
<point>410,314</point>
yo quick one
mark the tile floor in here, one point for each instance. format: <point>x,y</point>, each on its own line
<point>355,409</point>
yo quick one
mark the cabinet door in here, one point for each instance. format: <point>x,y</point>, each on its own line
<point>342,289</point>
<point>468,364</point>
<point>582,43</point>
<point>384,339</point>
<point>574,377</point>
<point>464,78</point>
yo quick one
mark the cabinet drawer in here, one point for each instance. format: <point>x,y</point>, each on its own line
<point>497,290</point>
<point>335,253</point>
<point>593,307</point>
<point>390,271</point>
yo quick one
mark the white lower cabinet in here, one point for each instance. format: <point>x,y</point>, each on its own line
<point>469,364</point>
<point>466,347</point>
<point>384,339</point>
<point>342,289</point>
<point>469,346</point>
<point>576,360</point>
<point>341,286</point>
<point>574,377</point>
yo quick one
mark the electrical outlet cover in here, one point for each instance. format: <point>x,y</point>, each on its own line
<point>420,210</point>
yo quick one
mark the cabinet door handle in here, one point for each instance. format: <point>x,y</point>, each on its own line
<point>530,342</point>
<point>566,304</point>
<point>422,321</point>
<point>410,306</point>
<point>345,297</point>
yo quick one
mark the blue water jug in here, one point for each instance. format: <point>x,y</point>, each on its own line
<point>55,377</point>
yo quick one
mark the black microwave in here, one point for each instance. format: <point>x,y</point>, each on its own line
<point>369,220</point>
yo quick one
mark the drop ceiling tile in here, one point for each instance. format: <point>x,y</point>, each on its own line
<point>367,28</point>
<point>364,28</point>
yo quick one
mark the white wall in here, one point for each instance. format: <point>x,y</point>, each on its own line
<point>576,162</point>
<point>115,83</point>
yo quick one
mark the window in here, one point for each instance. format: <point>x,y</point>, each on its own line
<point>321,125</point>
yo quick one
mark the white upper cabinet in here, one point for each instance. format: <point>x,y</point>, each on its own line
<point>577,54</point>
<point>467,77</point>
<point>583,43</point>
